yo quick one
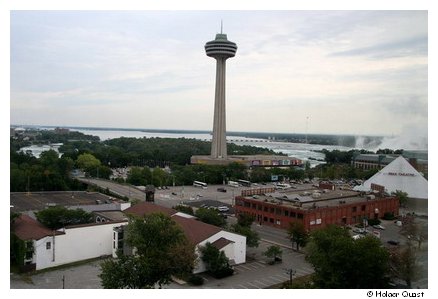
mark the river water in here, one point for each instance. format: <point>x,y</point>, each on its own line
<point>302,151</point>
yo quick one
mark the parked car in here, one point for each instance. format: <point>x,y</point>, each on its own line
<point>221,190</point>
<point>360,230</point>
<point>223,209</point>
<point>378,226</point>
<point>392,242</point>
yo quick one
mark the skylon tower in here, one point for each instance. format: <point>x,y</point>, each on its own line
<point>221,49</point>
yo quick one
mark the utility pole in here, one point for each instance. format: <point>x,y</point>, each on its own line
<point>291,273</point>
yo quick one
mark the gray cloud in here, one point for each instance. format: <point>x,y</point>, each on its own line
<point>416,46</point>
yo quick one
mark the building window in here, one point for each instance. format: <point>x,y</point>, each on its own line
<point>286,213</point>
<point>278,222</point>
<point>278,211</point>
<point>265,209</point>
<point>259,207</point>
<point>363,208</point>
<point>293,214</point>
<point>265,219</point>
<point>271,210</point>
<point>271,220</point>
<point>48,245</point>
<point>300,216</point>
<point>354,209</point>
<point>254,206</point>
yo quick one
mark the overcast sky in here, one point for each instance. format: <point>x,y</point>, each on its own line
<point>342,72</point>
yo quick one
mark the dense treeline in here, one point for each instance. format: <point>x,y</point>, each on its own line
<point>48,173</point>
<point>337,156</point>
<point>122,152</point>
<point>147,157</point>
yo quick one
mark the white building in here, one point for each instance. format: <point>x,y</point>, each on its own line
<point>399,175</point>
<point>52,248</point>
<point>199,233</point>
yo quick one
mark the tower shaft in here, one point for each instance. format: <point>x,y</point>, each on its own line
<point>219,141</point>
<point>221,49</point>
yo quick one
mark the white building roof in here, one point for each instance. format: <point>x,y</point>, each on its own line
<point>399,175</point>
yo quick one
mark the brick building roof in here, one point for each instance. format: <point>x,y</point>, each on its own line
<point>27,228</point>
<point>195,230</point>
<point>221,243</point>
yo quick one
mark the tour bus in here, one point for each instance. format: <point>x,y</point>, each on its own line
<point>244,183</point>
<point>283,186</point>
<point>233,184</point>
<point>200,184</point>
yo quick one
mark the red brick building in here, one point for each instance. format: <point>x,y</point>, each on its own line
<point>315,209</point>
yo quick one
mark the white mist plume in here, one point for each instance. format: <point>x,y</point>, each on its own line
<point>411,138</point>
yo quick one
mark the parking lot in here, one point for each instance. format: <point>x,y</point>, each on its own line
<point>255,274</point>
<point>190,195</point>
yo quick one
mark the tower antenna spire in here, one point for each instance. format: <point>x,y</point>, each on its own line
<point>221,26</point>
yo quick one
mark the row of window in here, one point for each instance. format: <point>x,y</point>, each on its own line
<point>272,210</point>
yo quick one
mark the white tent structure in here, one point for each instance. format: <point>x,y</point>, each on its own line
<point>399,175</point>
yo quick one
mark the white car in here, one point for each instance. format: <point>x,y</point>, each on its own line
<point>378,226</point>
<point>223,209</point>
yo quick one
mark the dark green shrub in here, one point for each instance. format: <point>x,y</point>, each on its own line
<point>373,221</point>
<point>195,280</point>
<point>223,272</point>
<point>388,216</point>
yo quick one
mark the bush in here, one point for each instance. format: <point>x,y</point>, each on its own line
<point>223,272</point>
<point>195,280</point>
<point>374,222</point>
<point>388,216</point>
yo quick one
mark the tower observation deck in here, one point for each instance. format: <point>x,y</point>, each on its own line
<point>221,49</point>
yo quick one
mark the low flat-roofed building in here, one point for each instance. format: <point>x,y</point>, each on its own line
<point>371,161</point>
<point>315,208</point>
<point>88,201</point>
<point>250,160</point>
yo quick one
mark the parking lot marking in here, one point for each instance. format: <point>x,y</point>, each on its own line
<point>257,287</point>
<point>260,264</point>
<point>244,267</point>
<point>262,283</point>
<point>276,278</point>
<point>252,266</point>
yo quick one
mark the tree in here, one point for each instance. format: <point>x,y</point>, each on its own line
<point>297,234</point>
<point>252,237</point>
<point>216,261</point>
<point>136,177</point>
<point>161,250</point>
<point>59,216</point>
<point>273,252</point>
<point>245,219</point>
<point>210,216</point>
<point>402,197</point>
<point>404,264</point>
<point>340,261</point>
<point>87,162</point>
<point>415,231</point>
